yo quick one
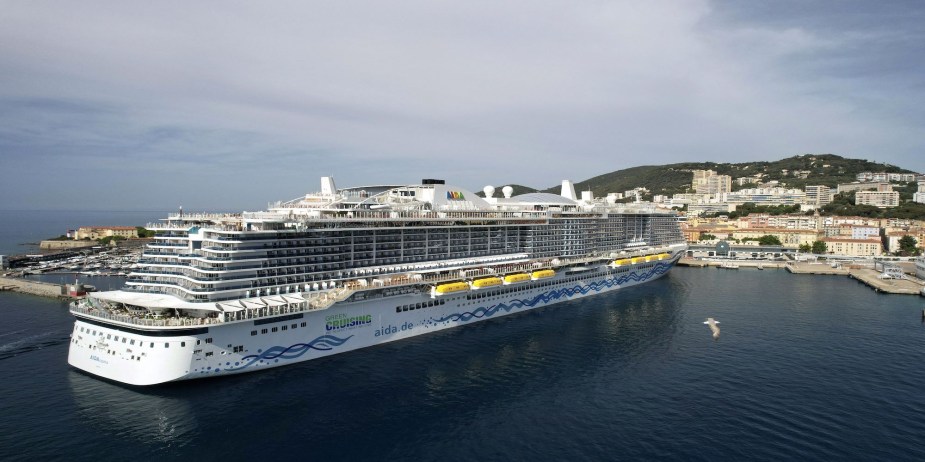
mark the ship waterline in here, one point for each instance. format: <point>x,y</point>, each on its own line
<point>346,269</point>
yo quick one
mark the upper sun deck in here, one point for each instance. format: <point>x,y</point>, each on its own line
<point>431,201</point>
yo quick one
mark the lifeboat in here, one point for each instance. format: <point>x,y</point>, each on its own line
<point>486,282</point>
<point>621,262</point>
<point>651,257</point>
<point>635,260</point>
<point>516,278</point>
<point>451,287</point>
<point>543,274</point>
<point>664,256</point>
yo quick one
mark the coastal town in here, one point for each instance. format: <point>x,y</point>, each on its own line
<point>711,217</point>
<point>725,224</point>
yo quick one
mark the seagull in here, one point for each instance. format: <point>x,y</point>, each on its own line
<point>713,326</point>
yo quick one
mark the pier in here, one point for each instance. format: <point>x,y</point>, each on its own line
<point>755,264</point>
<point>875,279</point>
<point>44,289</point>
<point>873,274</point>
<point>816,268</point>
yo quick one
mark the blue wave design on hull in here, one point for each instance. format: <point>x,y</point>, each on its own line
<point>546,297</point>
<point>323,343</point>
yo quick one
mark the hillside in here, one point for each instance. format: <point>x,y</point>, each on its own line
<point>825,169</point>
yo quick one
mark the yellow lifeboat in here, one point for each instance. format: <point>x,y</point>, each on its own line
<point>651,257</point>
<point>543,274</point>
<point>663,256</point>
<point>516,277</point>
<point>486,282</point>
<point>621,262</point>
<point>635,260</point>
<point>451,287</point>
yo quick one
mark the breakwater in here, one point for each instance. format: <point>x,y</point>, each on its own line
<point>44,289</point>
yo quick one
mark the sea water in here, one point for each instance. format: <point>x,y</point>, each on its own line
<point>805,368</point>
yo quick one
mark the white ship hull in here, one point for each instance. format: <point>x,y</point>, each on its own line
<point>139,358</point>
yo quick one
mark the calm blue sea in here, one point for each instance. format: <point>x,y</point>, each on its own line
<point>806,368</point>
<point>23,229</point>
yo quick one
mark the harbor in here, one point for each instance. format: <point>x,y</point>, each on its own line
<point>72,266</point>
<point>884,277</point>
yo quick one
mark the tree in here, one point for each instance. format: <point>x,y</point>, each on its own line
<point>769,239</point>
<point>144,232</point>
<point>907,246</point>
<point>804,248</point>
<point>819,247</point>
<point>707,237</point>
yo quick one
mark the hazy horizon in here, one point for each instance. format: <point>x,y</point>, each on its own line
<point>228,106</point>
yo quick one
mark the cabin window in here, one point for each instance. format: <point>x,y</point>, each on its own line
<point>263,331</point>
<point>166,345</point>
<point>275,329</point>
<point>182,344</point>
<point>304,324</point>
<point>253,333</point>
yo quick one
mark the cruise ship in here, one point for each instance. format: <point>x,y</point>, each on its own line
<point>342,269</point>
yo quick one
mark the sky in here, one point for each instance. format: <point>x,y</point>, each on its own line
<point>129,105</point>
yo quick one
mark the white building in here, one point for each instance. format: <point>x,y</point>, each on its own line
<point>700,209</point>
<point>818,195</point>
<point>708,182</point>
<point>881,199</point>
<point>766,196</point>
<point>853,247</point>
<point>864,232</point>
<point>920,196</point>
<point>876,186</point>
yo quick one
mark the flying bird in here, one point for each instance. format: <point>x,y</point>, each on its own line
<point>713,326</point>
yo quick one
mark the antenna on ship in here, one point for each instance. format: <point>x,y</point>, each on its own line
<point>181,211</point>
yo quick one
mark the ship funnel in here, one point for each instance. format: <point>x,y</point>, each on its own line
<point>327,186</point>
<point>568,190</point>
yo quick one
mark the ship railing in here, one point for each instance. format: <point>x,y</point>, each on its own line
<point>147,320</point>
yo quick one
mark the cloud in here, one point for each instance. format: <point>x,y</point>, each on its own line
<point>206,95</point>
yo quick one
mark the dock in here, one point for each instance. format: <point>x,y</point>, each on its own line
<point>816,268</point>
<point>897,282</point>
<point>755,264</point>
<point>44,289</point>
<point>886,285</point>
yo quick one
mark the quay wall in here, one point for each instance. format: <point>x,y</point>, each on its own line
<point>57,245</point>
<point>44,289</point>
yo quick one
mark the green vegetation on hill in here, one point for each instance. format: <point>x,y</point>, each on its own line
<point>143,232</point>
<point>844,205</point>
<point>824,169</point>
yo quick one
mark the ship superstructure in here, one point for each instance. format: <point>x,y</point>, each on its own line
<point>344,269</point>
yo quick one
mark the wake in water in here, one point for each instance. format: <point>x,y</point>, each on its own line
<point>12,333</point>
<point>31,343</point>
